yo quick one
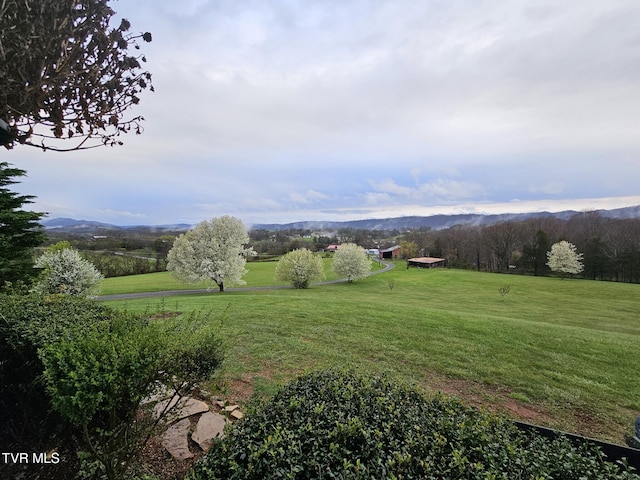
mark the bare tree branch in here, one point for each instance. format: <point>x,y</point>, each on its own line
<point>64,71</point>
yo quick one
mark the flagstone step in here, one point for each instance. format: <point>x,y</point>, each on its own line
<point>210,427</point>
<point>192,415</point>
<point>176,440</point>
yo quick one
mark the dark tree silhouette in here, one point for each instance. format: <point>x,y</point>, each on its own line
<point>20,230</point>
<point>65,74</point>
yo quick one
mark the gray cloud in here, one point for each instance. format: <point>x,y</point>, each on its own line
<point>357,107</point>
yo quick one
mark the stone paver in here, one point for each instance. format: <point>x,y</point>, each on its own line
<point>176,440</point>
<point>210,426</point>
<point>237,414</point>
<point>185,408</point>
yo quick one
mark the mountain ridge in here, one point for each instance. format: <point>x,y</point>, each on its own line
<point>436,222</point>
<point>441,222</point>
<point>65,223</point>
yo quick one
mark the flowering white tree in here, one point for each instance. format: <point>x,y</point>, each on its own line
<point>214,251</point>
<point>563,258</point>
<point>299,267</point>
<point>351,261</point>
<point>65,271</point>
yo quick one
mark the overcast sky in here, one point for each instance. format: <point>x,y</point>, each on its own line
<point>278,111</point>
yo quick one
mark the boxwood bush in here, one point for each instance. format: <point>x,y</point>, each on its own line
<point>340,425</point>
<point>27,324</point>
<point>73,374</point>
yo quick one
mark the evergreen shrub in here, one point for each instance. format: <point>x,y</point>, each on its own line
<point>98,383</point>
<point>341,425</point>
<point>74,373</point>
<point>27,324</point>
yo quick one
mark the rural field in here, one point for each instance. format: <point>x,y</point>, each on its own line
<point>559,353</point>
<point>261,274</point>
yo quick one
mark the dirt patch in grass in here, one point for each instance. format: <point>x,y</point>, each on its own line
<point>500,400</point>
<point>591,424</point>
<point>240,389</point>
<point>496,399</point>
<point>524,412</point>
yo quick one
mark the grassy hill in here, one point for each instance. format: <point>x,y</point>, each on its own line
<point>561,353</point>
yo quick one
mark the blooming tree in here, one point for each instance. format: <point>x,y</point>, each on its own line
<point>65,271</point>
<point>351,261</point>
<point>299,267</point>
<point>213,251</point>
<point>563,258</point>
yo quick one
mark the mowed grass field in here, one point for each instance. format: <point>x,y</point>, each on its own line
<point>260,274</point>
<point>561,353</point>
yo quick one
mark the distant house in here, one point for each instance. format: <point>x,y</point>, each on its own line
<point>391,252</point>
<point>426,262</point>
<point>332,248</point>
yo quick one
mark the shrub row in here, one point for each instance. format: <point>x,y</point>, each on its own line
<point>339,425</point>
<point>113,265</point>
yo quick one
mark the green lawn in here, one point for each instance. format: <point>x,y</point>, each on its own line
<point>557,352</point>
<point>259,274</point>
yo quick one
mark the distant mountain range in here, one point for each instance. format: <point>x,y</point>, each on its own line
<point>436,222</point>
<point>71,224</point>
<point>440,222</point>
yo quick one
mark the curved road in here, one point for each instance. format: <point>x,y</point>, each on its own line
<point>167,293</point>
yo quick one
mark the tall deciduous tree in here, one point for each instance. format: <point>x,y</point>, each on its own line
<point>533,253</point>
<point>299,267</point>
<point>351,261</point>
<point>214,251</point>
<point>408,249</point>
<point>65,70</point>
<point>20,229</point>
<point>501,240</point>
<point>563,258</point>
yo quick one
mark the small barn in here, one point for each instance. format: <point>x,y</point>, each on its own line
<point>426,262</point>
<point>391,252</point>
<point>332,248</point>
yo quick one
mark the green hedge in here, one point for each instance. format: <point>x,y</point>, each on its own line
<point>27,324</point>
<point>73,374</point>
<point>341,425</point>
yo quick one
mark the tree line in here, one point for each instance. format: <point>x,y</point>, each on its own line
<point>610,247</point>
